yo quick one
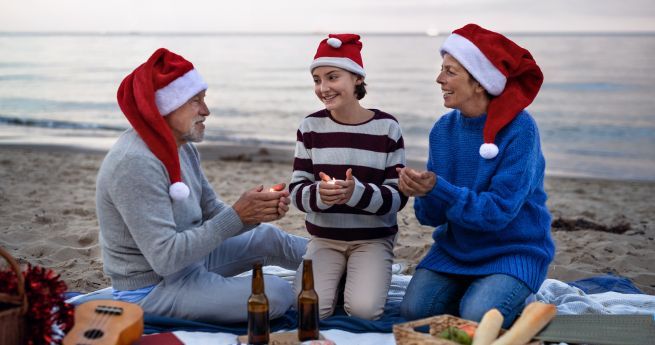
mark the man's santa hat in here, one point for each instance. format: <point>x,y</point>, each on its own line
<point>153,90</point>
<point>340,50</point>
<point>504,69</point>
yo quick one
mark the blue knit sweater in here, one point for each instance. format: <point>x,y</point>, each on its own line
<point>490,214</point>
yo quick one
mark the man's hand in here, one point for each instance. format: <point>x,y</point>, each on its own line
<point>329,191</point>
<point>415,183</point>
<point>256,206</point>
<point>348,186</point>
<point>283,204</point>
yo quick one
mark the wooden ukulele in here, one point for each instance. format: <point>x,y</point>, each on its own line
<point>106,322</point>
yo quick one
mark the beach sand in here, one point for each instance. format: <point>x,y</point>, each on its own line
<point>47,214</point>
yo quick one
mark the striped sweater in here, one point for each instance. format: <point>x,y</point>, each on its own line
<point>373,149</point>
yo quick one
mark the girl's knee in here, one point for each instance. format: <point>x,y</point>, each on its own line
<point>364,309</point>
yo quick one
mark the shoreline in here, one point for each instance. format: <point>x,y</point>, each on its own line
<point>99,141</point>
<point>234,151</point>
<point>47,208</point>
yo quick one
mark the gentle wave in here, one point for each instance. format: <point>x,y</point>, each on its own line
<point>596,87</point>
<point>30,104</point>
<point>45,123</point>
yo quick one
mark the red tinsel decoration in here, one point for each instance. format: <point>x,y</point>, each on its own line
<point>45,295</point>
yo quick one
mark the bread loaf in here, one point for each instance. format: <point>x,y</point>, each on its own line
<point>488,328</point>
<point>532,320</point>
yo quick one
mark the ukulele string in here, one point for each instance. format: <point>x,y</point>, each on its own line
<point>108,314</point>
<point>97,323</point>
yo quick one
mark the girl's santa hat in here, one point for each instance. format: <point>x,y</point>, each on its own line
<point>506,70</point>
<point>153,90</point>
<point>340,50</point>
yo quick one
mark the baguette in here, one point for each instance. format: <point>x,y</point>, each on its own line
<point>533,319</point>
<point>488,328</point>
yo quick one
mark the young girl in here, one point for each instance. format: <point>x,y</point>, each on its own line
<point>345,179</point>
<point>484,185</point>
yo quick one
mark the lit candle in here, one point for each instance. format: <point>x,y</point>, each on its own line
<point>332,181</point>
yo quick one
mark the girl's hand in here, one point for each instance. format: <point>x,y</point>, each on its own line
<point>348,185</point>
<point>328,189</point>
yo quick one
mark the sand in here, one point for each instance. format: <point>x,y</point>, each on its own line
<point>47,214</point>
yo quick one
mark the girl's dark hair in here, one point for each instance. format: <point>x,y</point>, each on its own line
<point>360,90</point>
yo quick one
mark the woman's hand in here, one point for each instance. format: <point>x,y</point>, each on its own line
<point>415,183</point>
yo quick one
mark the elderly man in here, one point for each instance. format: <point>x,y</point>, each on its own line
<point>168,243</point>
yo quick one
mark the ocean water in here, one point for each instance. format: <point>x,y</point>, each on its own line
<point>595,111</point>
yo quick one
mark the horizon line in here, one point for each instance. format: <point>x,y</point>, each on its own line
<point>303,33</point>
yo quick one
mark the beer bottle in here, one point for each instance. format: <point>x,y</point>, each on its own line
<point>307,305</point>
<point>258,326</point>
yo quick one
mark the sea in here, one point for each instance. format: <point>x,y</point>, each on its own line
<point>595,110</point>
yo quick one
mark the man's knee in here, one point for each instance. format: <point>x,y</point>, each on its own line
<point>268,232</point>
<point>280,295</point>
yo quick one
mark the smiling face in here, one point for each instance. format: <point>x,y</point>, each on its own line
<point>460,90</point>
<point>335,87</point>
<point>186,122</point>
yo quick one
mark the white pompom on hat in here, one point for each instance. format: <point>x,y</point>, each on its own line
<point>153,90</point>
<point>340,50</point>
<point>506,70</point>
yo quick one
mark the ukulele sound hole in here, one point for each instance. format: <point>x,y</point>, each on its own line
<point>93,334</point>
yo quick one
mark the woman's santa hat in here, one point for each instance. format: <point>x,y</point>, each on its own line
<point>506,70</point>
<point>340,50</point>
<point>153,90</point>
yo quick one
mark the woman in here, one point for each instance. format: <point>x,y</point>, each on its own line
<point>483,188</point>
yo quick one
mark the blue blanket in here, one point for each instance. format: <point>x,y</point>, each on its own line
<point>391,316</point>
<point>606,283</point>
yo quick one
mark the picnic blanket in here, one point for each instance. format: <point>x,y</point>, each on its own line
<point>607,294</point>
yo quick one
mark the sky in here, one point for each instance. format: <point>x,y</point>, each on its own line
<point>302,16</point>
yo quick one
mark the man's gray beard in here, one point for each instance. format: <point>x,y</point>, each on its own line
<point>194,136</point>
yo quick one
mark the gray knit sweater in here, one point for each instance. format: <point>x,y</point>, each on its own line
<point>144,234</point>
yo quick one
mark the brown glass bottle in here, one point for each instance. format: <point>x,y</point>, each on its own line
<point>258,325</point>
<point>307,305</point>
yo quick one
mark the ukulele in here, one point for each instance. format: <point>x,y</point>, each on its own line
<point>106,322</point>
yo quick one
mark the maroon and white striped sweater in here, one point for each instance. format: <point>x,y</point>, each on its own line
<point>373,149</point>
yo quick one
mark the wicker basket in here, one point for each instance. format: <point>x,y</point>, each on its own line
<point>13,308</point>
<point>406,335</point>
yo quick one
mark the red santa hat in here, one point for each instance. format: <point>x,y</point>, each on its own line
<point>153,90</point>
<point>340,50</point>
<point>506,70</point>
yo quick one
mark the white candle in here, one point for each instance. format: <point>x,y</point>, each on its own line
<point>332,181</point>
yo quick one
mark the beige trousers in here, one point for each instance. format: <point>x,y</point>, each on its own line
<point>367,265</point>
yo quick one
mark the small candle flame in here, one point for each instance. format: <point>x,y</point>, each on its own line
<point>332,181</point>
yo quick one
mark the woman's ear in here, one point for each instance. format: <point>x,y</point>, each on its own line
<point>479,88</point>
